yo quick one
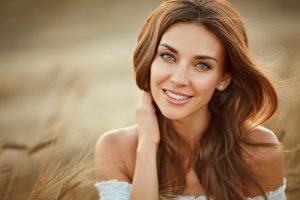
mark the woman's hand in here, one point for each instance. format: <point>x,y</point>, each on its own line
<point>148,130</point>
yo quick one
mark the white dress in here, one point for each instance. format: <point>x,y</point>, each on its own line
<point>120,190</point>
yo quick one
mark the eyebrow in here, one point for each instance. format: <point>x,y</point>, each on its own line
<point>197,56</point>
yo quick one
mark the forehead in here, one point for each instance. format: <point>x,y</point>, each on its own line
<point>193,38</point>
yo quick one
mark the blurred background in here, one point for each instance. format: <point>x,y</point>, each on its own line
<point>66,77</point>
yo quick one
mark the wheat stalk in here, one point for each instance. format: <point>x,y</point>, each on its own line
<point>68,185</point>
<point>14,146</point>
<point>41,146</point>
<point>36,191</point>
<point>12,178</point>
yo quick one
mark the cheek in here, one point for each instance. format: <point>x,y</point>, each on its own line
<point>158,73</point>
<point>154,76</point>
<point>205,85</point>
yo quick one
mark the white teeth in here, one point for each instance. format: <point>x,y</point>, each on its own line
<point>176,96</point>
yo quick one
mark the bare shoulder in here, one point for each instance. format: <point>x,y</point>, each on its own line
<point>266,162</point>
<point>117,138</point>
<point>262,134</point>
<point>113,152</point>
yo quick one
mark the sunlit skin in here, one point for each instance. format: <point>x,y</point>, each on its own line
<point>189,62</point>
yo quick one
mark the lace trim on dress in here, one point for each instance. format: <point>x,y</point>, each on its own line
<point>113,189</point>
<point>278,194</point>
<point>116,189</point>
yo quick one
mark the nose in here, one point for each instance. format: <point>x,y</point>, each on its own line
<point>180,76</point>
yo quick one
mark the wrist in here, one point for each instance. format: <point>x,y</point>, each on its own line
<point>147,140</point>
<point>147,147</point>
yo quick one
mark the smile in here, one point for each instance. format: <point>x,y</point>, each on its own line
<point>176,98</point>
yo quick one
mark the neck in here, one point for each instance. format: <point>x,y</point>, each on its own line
<point>192,128</point>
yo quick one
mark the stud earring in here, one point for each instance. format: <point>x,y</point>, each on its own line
<point>221,87</point>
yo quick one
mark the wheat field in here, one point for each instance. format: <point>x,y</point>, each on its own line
<point>66,77</point>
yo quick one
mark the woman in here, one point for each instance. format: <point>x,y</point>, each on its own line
<point>197,133</point>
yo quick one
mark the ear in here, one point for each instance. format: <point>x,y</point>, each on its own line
<point>224,82</point>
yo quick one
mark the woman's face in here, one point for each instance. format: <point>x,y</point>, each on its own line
<point>186,71</point>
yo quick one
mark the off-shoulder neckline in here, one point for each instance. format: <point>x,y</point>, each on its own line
<point>126,184</point>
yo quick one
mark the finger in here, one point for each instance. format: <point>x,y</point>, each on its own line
<point>148,97</point>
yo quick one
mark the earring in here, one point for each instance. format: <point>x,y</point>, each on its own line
<point>221,87</point>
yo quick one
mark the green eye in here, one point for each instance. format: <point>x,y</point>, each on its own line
<point>167,57</point>
<point>203,66</point>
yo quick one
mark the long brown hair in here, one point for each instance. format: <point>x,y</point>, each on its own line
<point>249,99</point>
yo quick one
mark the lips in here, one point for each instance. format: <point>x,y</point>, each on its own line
<point>176,97</point>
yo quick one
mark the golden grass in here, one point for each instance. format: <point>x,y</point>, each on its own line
<point>51,165</point>
<point>51,177</point>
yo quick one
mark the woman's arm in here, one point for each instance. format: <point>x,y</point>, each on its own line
<point>145,180</point>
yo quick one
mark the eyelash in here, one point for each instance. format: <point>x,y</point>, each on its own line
<point>204,66</point>
<point>164,54</point>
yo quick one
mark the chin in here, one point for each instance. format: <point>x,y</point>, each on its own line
<point>172,115</point>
